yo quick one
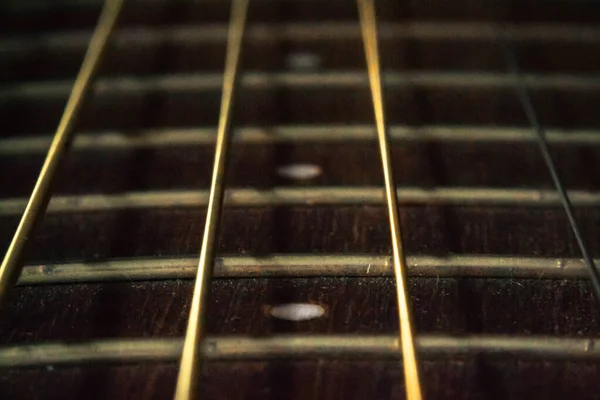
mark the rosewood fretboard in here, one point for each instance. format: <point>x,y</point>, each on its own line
<point>502,303</point>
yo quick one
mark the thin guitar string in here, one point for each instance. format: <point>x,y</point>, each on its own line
<point>36,207</point>
<point>190,365</point>
<point>524,97</point>
<point>368,24</point>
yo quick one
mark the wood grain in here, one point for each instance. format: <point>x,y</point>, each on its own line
<point>166,13</point>
<point>353,306</point>
<point>435,230</point>
<point>342,164</point>
<point>301,105</point>
<point>474,377</point>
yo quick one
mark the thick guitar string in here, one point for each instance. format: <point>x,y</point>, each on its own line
<point>190,366</point>
<point>13,260</point>
<point>411,368</point>
<point>527,104</point>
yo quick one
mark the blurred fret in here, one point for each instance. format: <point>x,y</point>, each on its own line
<point>158,138</point>
<point>309,31</point>
<point>209,82</point>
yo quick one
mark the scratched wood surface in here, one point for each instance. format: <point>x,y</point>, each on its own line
<point>425,164</point>
<point>436,230</point>
<point>476,377</point>
<point>354,306</point>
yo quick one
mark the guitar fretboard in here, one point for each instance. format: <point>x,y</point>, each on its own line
<point>375,204</point>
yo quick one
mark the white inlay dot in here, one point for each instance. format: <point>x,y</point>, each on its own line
<point>297,311</point>
<point>299,171</point>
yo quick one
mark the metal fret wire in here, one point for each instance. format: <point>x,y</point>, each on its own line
<point>301,347</point>
<point>294,265</point>
<point>536,125</point>
<point>190,367</point>
<point>12,264</point>
<point>411,368</point>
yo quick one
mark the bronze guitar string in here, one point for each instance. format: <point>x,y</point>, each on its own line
<point>13,260</point>
<point>368,25</point>
<point>190,366</point>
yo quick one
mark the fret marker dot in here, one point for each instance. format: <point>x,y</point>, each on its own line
<point>299,171</point>
<point>297,311</point>
<point>303,61</point>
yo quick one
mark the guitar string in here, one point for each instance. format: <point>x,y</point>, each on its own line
<point>190,366</point>
<point>12,264</point>
<point>532,116</point>
<point>368,25</point>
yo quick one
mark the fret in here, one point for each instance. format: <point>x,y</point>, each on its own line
<point>412,378</point>
<point>189,367</point>
<point>208,33</point>
<point>308,196</point>
<point>305,266</point>
<point>302,347</point>
<point>11,264</point>
<point>207,82</point>
<point>442,46</point>
<point>159,138</point>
